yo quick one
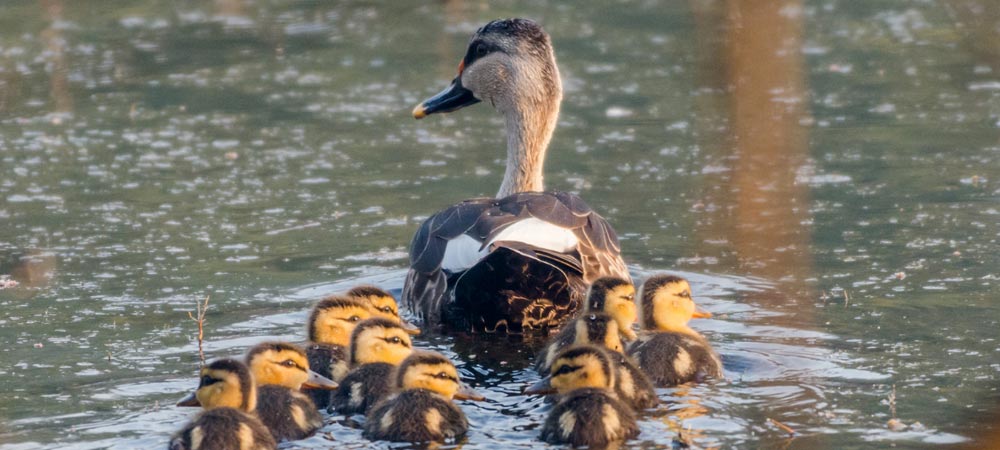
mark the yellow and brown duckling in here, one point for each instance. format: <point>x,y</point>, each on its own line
<point>227,392</point>
<point>668,350</point>
<point>422,409</point>
<point>330,326</point>
<point>382,304</point>
<point>631,383</point>
<point>280,370</point>
<point>588,412</point>
<point>611,295</point>
<point>378,345</point>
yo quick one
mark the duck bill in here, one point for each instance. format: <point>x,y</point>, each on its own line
<point>542,387</point>
<point>409,328</point>
<point>467,393</point>
<point>190,400</point>
<point>453,98</point>
<point>317,381</point>
<point>700,314</point>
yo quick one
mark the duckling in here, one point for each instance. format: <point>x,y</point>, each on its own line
<point>378,345</point>
<point>330,325</point>
<point>631,384</point>
<point>228,394</point>
<point>588,412</point>
<point>669,351</point>
<point>382,303</point>
<point>612,295</point>
<point>422,410</point>
<point>281,369</point>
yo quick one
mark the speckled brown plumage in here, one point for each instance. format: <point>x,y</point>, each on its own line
<point>278,406</point>
<point>223,429</point>
<point>415,415</point>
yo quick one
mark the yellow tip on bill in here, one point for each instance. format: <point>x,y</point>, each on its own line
<point>418,112</point>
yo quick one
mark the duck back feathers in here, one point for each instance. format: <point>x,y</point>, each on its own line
<point>415,415</point>
<point>589,417</point>
<point>289,414</point>
<point>223,429</point>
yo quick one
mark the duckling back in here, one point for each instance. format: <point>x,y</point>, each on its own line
<point>289,414</point>
<point>223,429</point>
<point>670,359</point>
<point>590,417</point>
<point>362,388</point>
<point>632,386</point>
<point>415,415</point>
<point>329,360</point>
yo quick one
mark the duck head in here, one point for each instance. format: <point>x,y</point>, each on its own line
<point>667,304</point>
<point>600,329</point>
<point>285,365</point>
<point>579,366</point>
<point>379,340</point>
<point>334,318</point>
<point>382,304</point>
<point>433,372</point>
<point>616,297</point>
<point>224,383</point>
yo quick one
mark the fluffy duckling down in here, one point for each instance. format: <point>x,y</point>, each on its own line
<point>227,392</point>
<point>422,409</point>
<point>631,383</point>
<point>378,345</point>
<point>588,412</point>
<point>280,370</point>
<point>668,350</point>
<point>331,323</point>
<point>610,295</point>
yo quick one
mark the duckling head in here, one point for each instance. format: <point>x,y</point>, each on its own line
<point>667,304</point>
<point>334,318</point>
<point>433,372</point>
<point>579,366</point>
<point>599,329</point>
<point>224,383</point>
<point>379,340</point>
<point>615,296</point>
<point>382,304</point>
<point>285,365</point>
<point>510,64</point>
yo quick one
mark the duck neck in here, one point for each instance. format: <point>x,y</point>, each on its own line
<point>529,131</point>
<point>673,327</point>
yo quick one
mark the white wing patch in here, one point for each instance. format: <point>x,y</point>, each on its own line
<point>464,252</point>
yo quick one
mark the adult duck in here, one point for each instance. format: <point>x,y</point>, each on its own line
<point>522,260</point>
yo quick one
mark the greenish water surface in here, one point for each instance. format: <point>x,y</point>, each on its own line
<point>826,173</point>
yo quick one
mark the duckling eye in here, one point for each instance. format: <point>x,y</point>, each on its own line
<point>630,297</point>
<point>395,340</point>
<point>562,370</point>
<point>480,50</point>
<point>686,294</point>
<point>388,309</point>
<point>353,319</point>
<point>288,363</point>
<point>208,381</point>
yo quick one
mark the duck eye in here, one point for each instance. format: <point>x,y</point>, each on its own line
<point>480,50</point>
<point>208,381</point>
<point>562,370</point>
